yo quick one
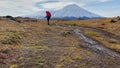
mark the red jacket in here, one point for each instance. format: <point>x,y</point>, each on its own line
<point>48,14</point>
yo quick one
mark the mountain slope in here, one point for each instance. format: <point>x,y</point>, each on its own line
<point>74,11</point>
<point>39,14</point>
<point>69,12</point>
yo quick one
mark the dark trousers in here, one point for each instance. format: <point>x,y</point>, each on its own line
<point>48,18</point>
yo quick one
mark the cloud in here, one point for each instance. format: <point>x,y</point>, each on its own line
<point>25,7</point>
<point>17,7</point>
<point>61,3</point>
<point>17,4</point>
<point>55,5</point>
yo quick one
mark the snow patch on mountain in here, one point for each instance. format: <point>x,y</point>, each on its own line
<point>70,12</point>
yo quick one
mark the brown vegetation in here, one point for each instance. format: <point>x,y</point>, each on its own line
<point>34,44</point>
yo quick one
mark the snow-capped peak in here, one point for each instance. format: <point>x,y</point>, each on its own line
<point>70,12</point>
<point>72,6</point>
<point>75,11</point>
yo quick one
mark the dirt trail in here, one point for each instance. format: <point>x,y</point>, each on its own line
<point>103,32</point>
<point>94,45</point>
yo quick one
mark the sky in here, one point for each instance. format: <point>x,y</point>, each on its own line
<point>106,8</point>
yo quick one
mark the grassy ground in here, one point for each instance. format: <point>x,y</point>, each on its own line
<point>105,24</point>
<point>37,45</point>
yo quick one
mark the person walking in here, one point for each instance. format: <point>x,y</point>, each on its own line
<point>48,16</point>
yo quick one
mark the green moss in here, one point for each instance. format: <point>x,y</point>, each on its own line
<point>66,59</point>
<point>77,56</point>
<point>38,46</point>
<point>40,60</point>
<point>22,64</point>
<point>14,66</point>
<point>91,33</point>
<point>21,58</point>
<point>59,66</point>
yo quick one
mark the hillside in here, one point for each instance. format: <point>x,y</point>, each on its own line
<point>64,44</point>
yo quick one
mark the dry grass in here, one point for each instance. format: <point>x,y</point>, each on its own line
<point>97,23</point>
<point>110,43</point>
<point>103,24</point>
<point>30,39</point>
<point>37,45</point>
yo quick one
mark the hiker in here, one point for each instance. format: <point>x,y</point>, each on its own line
<point>48,16</point>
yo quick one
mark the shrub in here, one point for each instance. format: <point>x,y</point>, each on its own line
<point>12,18</point>
<point>66,33</point>
<point>11,39</point>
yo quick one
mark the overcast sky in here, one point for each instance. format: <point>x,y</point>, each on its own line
<point>25,7</point>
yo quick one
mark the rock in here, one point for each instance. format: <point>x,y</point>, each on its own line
<point>2,56</point>
<point>12,18</point>
<point>66,33</point>
<point>114,20</point>
<point>103,24</point>
<point>118,17</point>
